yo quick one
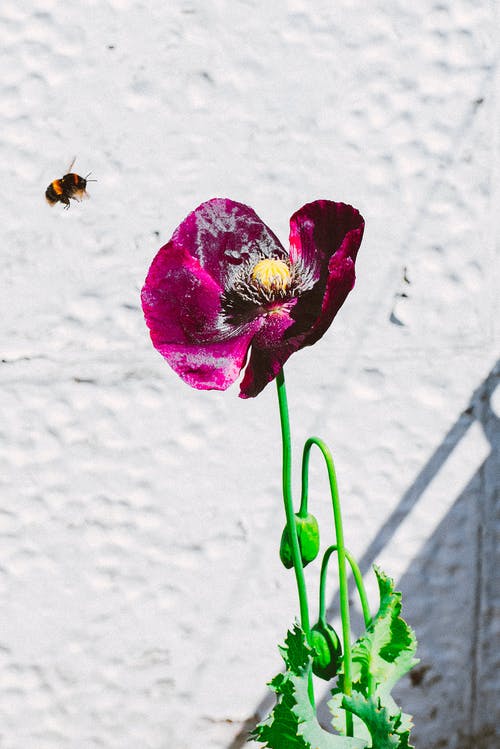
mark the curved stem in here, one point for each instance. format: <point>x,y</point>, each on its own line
<point>290,515</point>
<point>357,579</point>
<point>322,583</point>
<point>339,533</point>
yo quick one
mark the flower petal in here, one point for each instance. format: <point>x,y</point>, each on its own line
<point>263,366</point>
<point>222,233</point>
<point>341,280</point>
<point>181,304</point>
<point>322,228</point>
<point>327,236</point>
<point>208,367</point>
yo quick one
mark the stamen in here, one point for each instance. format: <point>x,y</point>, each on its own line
<point>262,285</point>
<point>271,274</point>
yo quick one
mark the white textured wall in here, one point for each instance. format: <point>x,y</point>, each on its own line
<point>142,595</point>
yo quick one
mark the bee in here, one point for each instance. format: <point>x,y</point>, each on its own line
<point>71,186</point>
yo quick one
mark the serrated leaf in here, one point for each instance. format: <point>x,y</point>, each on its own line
<point>380,657</point>
<point>279,730</point>
<point>309,728</point>
<point>381,726</point>
<point>293,724</point>
<point>296,652</point>
<point>338,713</point>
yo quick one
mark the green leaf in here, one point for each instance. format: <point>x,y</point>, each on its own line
<point>296,652</point>
<point>309,728</point>
<point>384,653</point>
<point>381,726</point>
<point>293,724</point>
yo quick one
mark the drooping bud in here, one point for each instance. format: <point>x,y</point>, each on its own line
<point>308,535</point>
<point>326,643</point>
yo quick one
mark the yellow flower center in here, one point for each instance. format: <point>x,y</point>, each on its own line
<point>271,274</point>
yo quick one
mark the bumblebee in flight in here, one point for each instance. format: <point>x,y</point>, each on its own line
<point>71,186</point>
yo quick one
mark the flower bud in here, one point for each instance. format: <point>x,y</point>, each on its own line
<point>328,649</point>
<point>308,535</point>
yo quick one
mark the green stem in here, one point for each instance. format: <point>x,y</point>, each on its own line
<point>341,553</point>
<point>290,515</point>
<point>288,502</point>
<point>357,579</point>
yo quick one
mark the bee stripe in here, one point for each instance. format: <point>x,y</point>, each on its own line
<point>75,178</point>
<point>57,186</point>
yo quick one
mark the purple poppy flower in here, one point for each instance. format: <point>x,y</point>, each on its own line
<point>225,285</point>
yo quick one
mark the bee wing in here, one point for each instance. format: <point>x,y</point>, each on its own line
<point>80,195</point>
<point>71,165</point>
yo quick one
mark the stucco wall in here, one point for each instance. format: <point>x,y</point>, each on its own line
<point>142,595</point>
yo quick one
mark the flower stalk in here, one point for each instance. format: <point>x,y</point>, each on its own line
<point>341,554</point>
<point>288,502</point>
<point>289,513</point>
<point>356,573</point>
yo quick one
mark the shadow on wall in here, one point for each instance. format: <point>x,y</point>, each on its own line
<point>449,599</point>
